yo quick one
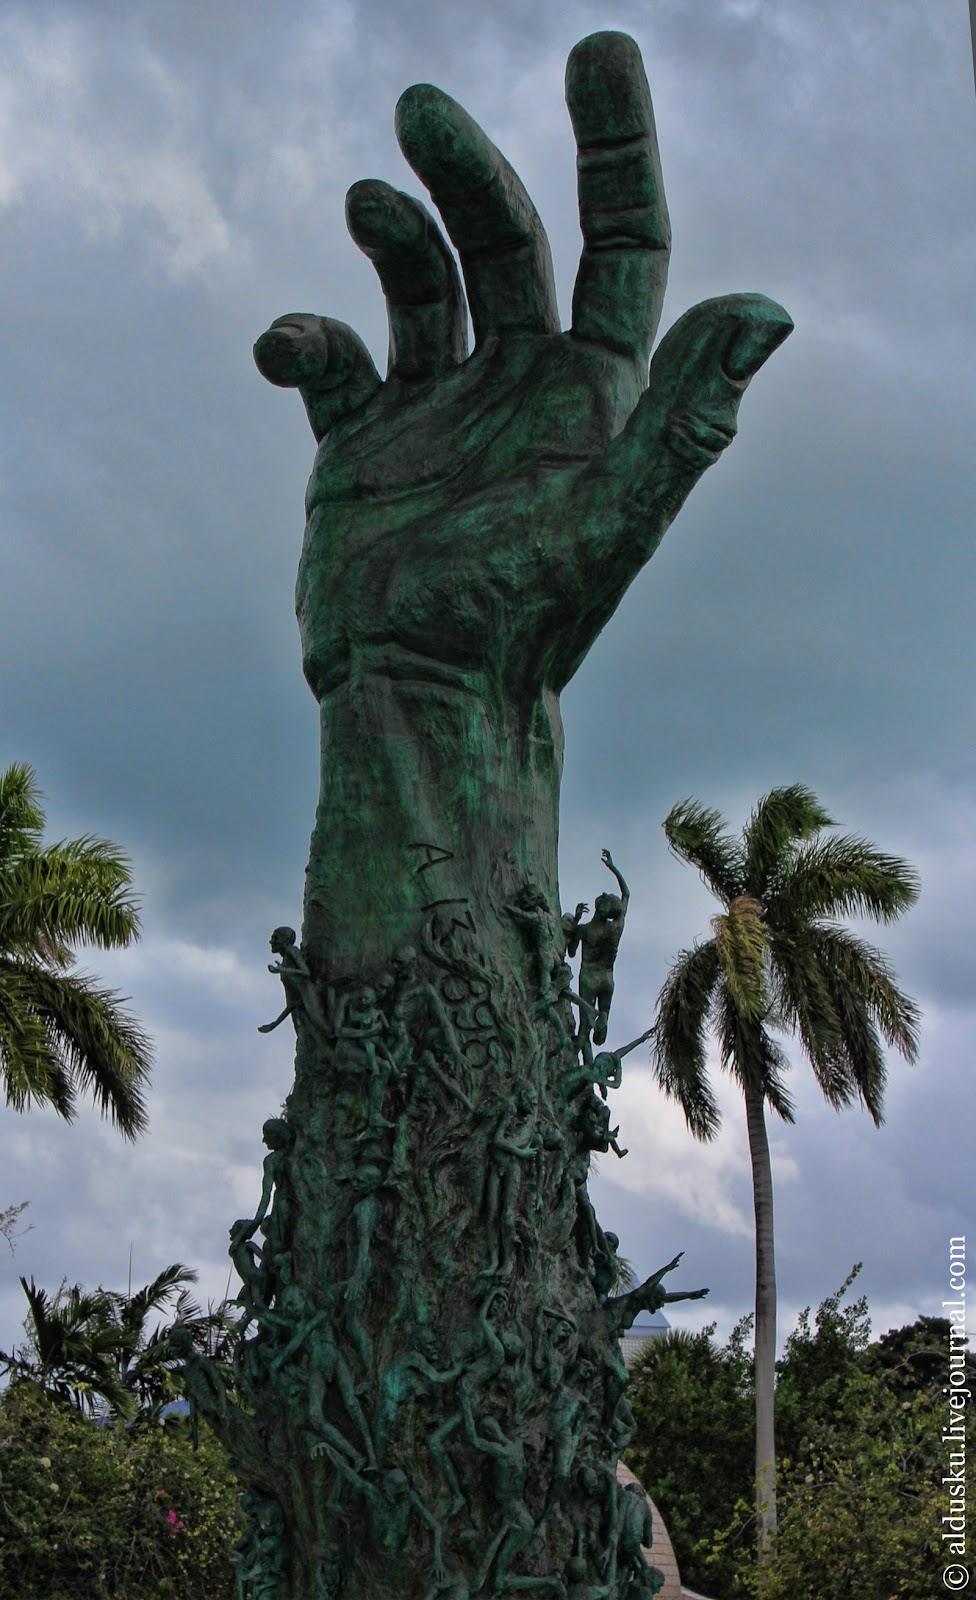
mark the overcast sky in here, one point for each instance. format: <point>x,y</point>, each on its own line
<point>172,178</point>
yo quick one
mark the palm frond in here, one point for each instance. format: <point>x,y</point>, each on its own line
<point>21,815</point>
<point>862,965</point>
<point>76,892</point>
<point>700,836</point>
<point>30,1066</point>
<point>868,1004</point>
<point>101,1049</point>
<point>843,876</point>
<point>678,1040</point>
<point>740,940</point>
<point>169,1283</point>
<point>780,819</point>
<point>752,1056</point>
<point>804,1003</point>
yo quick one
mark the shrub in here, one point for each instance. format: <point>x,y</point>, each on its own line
<point>91,1512</point>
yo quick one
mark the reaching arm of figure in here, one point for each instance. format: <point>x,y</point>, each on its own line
<point>627,1048</point>
<point>449,1084</point>
<point>430,1519</point>
<point>296,1341</point>
<point>573,933</point>
<point>267,1185</point>
<point>269,1027</point>
<point>622,1310</point>
<point>607,860</point>
<point>495,1346</point>
<point>524,1152</point>
<point>348,1471</point>
<point>297,965</point>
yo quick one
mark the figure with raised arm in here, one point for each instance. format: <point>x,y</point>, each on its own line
<point>622,1310</point>
<point>599,940</point>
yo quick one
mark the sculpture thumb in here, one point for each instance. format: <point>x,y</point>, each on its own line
<point>325,360</point>
<point>699,373</point>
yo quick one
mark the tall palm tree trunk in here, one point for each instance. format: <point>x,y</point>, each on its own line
<point>765,1363</point>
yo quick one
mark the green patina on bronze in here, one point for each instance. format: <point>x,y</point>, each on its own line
<point>434,1393</point>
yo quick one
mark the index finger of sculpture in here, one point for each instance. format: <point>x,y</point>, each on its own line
<point>424,300</point>
<point>623,270</point>
<point>493,223</point>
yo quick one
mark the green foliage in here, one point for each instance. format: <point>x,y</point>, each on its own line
<point>92,1349</point>
<point>819,1363</point>
<point>859,1424</point>
<point>859,1505</point>
<point>91,1512</point>
<point>59,1032</point>
<point>693,1404</point>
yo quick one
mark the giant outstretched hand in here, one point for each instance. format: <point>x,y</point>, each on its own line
<point>473,521</point>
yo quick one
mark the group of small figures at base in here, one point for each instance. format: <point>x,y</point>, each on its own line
<point>260,1557</point>
<point>389,1041</point>
<point>370,1029</point>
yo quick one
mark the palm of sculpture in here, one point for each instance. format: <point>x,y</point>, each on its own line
<point>433,1294</point>
<point>473,523</point>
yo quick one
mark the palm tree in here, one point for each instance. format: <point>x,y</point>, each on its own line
<point>92,1349</point>
<point>71,1351</point>
<point>779,961</point>
<point>59,1032</point>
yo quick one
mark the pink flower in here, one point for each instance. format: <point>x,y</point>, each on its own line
<point>171,1517</point>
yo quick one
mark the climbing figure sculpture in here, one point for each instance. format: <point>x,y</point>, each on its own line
<point>599,940</point>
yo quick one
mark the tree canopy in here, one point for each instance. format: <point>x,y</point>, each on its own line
<point>60,1033</point>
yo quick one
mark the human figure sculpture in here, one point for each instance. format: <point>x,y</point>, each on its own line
<point>415,1003</point>
<point>608,1065</point>
<point>359,1259</point>
<point>636,1580</point>
<point>599,940</point>
<point>483,1354</point>
<point>278,1137</point>
<point>472,524</point>
<point>301,995</point>
<point>531,912</point>
<point>624,1309</point>
<point>509,1472</point>
<point>260,1556</point>
<point>392,1504</point>
<point>248,1260</point>
<point>577,1587</point>
<point>512,1147</point>
<point>361,1028</point>
<point>595,1132</point>
<point>412,1372</point>
<point>314,1333</point>
<point>569,1415</point>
